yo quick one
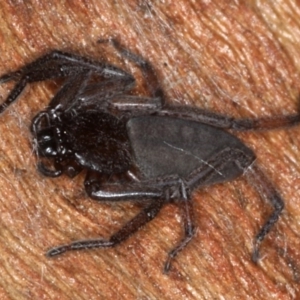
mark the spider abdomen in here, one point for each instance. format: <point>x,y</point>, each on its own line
<point>171,146</point>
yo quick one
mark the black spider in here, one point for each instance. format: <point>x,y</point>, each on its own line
<point>157,153</point>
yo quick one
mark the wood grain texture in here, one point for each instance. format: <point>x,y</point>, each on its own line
<point>240,58</point>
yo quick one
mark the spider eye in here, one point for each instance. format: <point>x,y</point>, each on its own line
<point>46,142</point>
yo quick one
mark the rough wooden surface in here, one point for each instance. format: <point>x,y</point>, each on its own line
<point>235,57</point>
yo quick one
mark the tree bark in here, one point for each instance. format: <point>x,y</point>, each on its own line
<point>240,58</point>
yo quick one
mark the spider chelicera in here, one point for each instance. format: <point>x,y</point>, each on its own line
<point>157,153</point>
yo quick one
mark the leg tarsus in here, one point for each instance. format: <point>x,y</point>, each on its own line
<point>265,123</point>
<point>273,218</point>
<point>9,76</point>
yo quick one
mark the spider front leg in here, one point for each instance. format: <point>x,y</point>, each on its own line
<point>59,64</point>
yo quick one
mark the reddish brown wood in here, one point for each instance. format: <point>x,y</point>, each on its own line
<point>240,58</point>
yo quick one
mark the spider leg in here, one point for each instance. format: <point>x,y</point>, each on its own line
<point>112,93</point>
<point>118,191</point>
<point>67,95</point>
<point>9,76</point>
<point>106,89</point>
<point>59,64</point>
<point>135,104</point>
<point>151,79</point>
<point>226,122</point>
<point>163,189</point>
<point>16,91</point>
<point>138,191</point>
<point>266,123</point>
<point>189,228</point>
<point>261,183</point>
<point>200,115</point>
<point>142,218</point>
